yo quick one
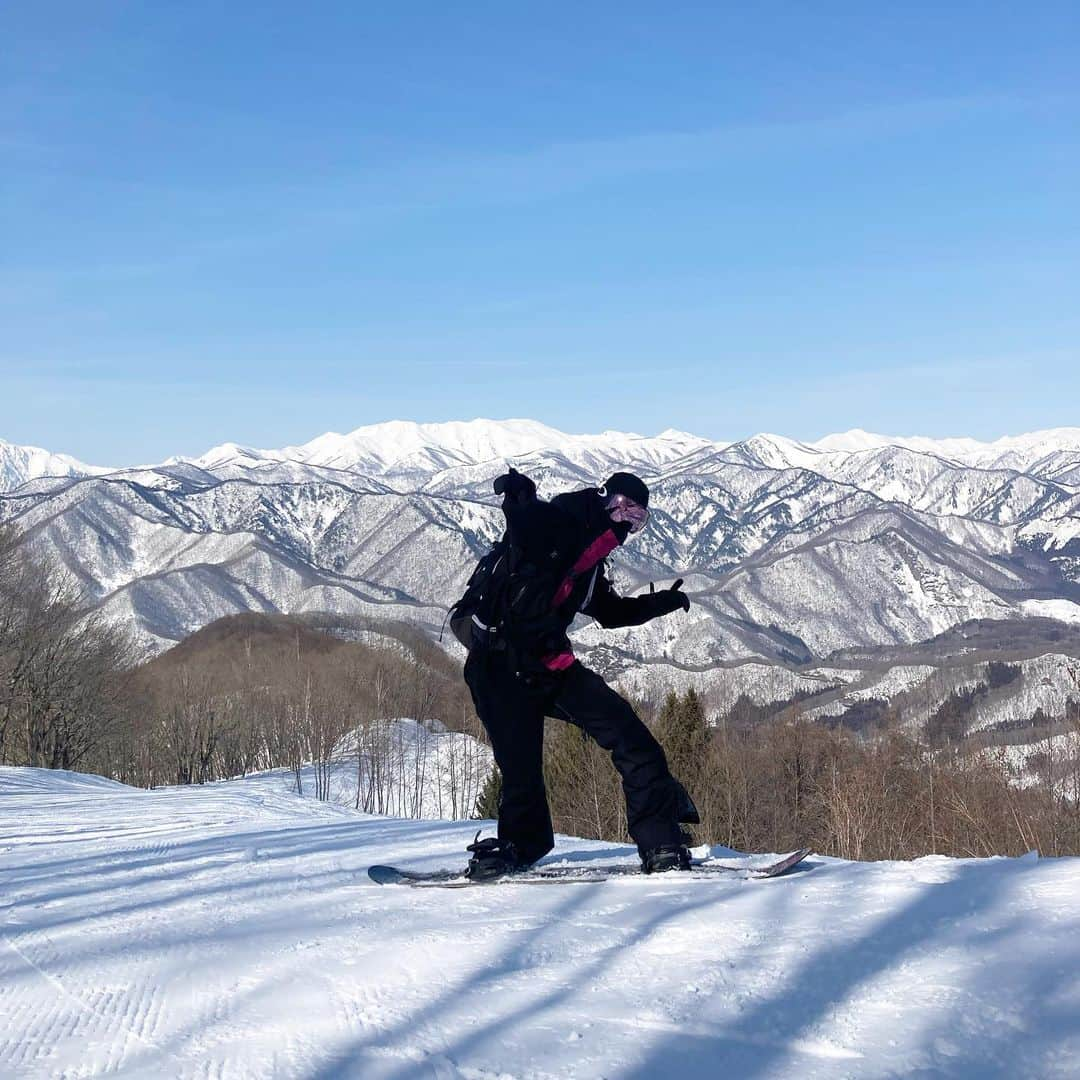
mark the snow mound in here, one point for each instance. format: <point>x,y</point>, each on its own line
<point>54,782</point>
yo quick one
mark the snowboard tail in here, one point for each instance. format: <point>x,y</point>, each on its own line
<point>561,875</point>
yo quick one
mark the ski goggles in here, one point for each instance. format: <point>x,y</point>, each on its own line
<point>623,508</point>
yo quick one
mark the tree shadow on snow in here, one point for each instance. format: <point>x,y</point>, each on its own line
<point>967,1036</point>
<point>471,1003</point>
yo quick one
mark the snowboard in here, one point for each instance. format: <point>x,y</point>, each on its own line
<point>563,875</point>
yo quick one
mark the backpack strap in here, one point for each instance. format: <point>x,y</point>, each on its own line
<point>599,549</point>
<point>595,553</point>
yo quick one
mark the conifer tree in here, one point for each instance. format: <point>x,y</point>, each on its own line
<point>667,724</point>
<point>487,802</point>
<point>684,733</point>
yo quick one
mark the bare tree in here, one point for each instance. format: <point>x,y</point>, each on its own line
<point>61,669</point>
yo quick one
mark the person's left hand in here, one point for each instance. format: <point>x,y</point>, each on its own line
<point>676,597</point>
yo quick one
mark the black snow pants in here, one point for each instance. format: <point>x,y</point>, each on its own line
<point>512,711</point>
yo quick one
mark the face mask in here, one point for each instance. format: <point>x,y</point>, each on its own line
<point>623,509</point>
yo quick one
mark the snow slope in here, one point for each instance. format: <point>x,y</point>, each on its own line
<point>230,931</point>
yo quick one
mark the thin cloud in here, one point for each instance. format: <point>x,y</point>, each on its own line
<point>558,167</point>
<point>359,198</point>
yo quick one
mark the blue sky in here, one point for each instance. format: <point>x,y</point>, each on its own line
<point>262,222</point>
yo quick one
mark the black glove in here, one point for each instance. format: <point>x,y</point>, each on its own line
<point>514,487</point>
<point>671,599</point>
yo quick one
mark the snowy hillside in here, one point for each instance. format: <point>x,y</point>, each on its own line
<point>789,550</point>
<point>231,931</point>
<point>399,767</point>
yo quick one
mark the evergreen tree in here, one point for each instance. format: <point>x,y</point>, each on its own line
<point>686,737</point>
<point>684,733</point>
<point>667,721</point>
<point>487,802</point>
<point>695,726</point>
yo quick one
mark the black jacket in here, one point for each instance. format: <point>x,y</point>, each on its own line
<point>551,541</point>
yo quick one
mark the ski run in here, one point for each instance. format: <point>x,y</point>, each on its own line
<point>231,931</point>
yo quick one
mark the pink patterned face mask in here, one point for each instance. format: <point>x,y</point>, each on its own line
<point>623,508</point>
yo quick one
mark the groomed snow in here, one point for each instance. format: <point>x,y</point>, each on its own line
<point>230,931</point>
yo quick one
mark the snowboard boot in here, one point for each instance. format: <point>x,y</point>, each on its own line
<point>668,857</point>
<point>491,858</point>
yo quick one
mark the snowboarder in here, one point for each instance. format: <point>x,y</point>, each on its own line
<point>513,619</point>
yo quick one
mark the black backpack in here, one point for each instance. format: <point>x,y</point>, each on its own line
<point>507,602</point>
<point>475,618</point>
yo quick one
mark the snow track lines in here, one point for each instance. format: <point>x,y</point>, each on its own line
<point>230,931</point>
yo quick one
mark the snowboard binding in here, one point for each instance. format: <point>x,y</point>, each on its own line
<point>492,858</point>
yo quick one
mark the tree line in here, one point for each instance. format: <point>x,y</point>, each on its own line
<point>783,782</point>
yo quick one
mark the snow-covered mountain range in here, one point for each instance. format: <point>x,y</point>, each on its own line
<point>18,464</point>
<point>790,550</point>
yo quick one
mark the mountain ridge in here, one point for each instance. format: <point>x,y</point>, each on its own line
<point>790,551</point>
<point>384,446</point>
